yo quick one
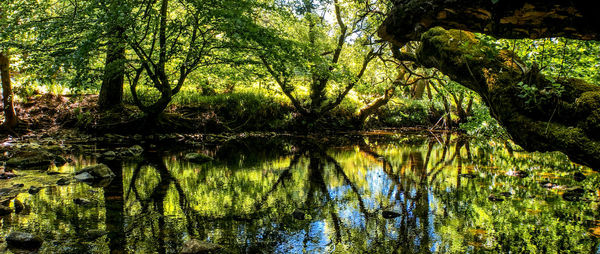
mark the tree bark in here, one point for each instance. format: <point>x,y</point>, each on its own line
<point>576,19</point>
<point>111,92</point>
<point>10,116</point>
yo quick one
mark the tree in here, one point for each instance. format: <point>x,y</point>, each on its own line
<point>539,111</point>
<point>328,67</point>
<point>175,37</point>
<point>111,91</point>
<point>10,116</point>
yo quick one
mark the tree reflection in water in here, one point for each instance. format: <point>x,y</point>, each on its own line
<point>307,195</point>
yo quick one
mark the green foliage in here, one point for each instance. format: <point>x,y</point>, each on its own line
<point>534,96</point>
<point>482,124</point>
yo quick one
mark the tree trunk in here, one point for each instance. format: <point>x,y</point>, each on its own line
<point>111,92</point>
<point>568,122</point>
<point>10,116</point>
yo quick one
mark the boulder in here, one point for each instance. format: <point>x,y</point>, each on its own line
<point>197,158</point>
<point>23,240</point>
<point>63,181</point>
<point>98,171</point>
<point>194,246</point>
<point>5,210</point>
<point>30,159</point>
<point>135,150</point>
<point>33,190</point>
<point>84,177</point>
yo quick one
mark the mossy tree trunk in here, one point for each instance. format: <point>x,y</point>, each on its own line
<point>567,121</point>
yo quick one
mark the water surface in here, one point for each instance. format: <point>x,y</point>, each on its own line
<point>308,195</point>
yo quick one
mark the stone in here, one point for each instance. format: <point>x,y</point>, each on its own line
<point>27,160</point>
<point>197,158</point>
<point>23,240</point>
<point>18,205</point>
<point>579,176</point>
<point>390,214</point>
<point>63,181</point>
<point>573,194</point>
<point>470,176</point>
<point>5,210</point>
<point>97,171</point>
<point>495,198</point>
<point>94,234</point>
<point>33,190</point>
<point>298,215</point>
<point>109,155</point>
<point>59,160</point>
<point>82,201</point>
<point>135,150</point>
<point>84,177</point>
<point>194,246</point>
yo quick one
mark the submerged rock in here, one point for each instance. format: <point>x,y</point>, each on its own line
<point>135,150</point>
<point>194,246</point>
<point>573,194</point>
<point>82,201</point>
<point>5,210</point>
<point>59,160</point>
<point>390,214</point>
<point>23,240</point>
<point>298,215</point>
<point>470,176</point>
<point>18,206</point>
<point>110,155</point>
<point>30,159</point>
<point>33,190</point>
<point>63,181</point>
<point>579,176</point>
<point>94,234</point>
<point>197,158</point>
<point>98,172</point>
<point>495,198</point>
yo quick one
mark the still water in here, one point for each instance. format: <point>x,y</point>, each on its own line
<point>384,193</point>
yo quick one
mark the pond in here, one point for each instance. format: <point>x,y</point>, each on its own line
<point>372,193</point>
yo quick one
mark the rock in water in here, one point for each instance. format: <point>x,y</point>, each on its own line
<point>390,214</point>
<point>197,158</point>
<point>82,201</point>
<point>22,240</point>
<point>94,234</point>
<point>494,198</point>
<point>59,160</point>
<point>84,177</point>
<point>135,150</point>
<point>63,181</point>
<point>573,194</point>
<point>30,159</point>
<point>298,215</point>
<point>194,246</point>
<point>33,190</point>
<point>18,205</point>
<point>579,176</point>
<point>5,210</point>
<point>97,171</point>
